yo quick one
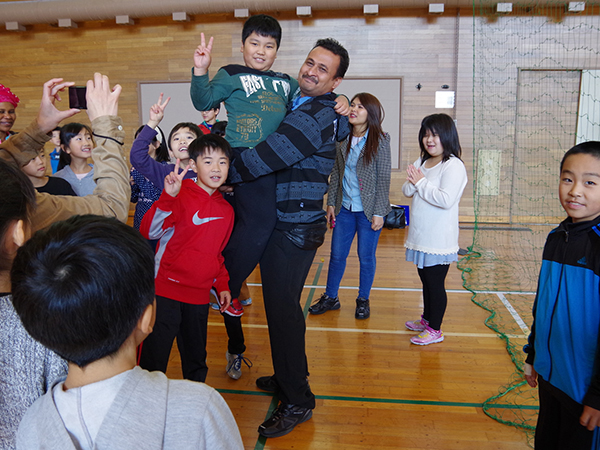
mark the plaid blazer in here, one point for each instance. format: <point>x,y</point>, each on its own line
<point>374,179</point>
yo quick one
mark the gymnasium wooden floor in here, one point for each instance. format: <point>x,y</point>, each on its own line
<point>374,389</point>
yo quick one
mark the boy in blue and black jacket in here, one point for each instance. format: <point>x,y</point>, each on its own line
<point>562,353</point>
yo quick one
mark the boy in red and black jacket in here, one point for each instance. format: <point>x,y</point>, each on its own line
<point>193,223</point>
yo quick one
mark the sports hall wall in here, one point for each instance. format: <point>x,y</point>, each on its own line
<point>423,50</point>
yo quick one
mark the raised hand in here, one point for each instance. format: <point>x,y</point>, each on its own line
<point>157,111</point>
<point>174,179</point>
<point>202,56</point>
<point>101,99</point>
<point>49,116</point>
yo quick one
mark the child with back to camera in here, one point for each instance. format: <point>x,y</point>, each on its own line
<point>193,223</point>
<point>27,368</point>
<point>563,351</point>
<point>76,140</point>
<point>106,401</point>
<point>435,182</point>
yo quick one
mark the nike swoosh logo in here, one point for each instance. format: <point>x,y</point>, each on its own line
<point>200,220</point>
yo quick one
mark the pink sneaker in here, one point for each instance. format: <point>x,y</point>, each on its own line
<point>428,336</point>
<point>416,325</point>
<point>235,309</point>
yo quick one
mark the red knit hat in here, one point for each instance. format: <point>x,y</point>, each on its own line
<point>7,96</point>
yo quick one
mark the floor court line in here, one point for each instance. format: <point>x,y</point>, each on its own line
<point>514,314</point>
<point>394,289</point>
<point>491,334</point>
<point>384,400</point>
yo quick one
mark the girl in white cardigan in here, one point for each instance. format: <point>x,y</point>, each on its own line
<point>436,182</point>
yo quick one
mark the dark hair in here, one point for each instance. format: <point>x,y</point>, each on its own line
<point>263,25</point>
<point>18,202</point>
<point>337,49</point>
<point>219,128</point>
<point>375,115</point>
<point>192,126</point>
<point>80,286</point>
<point>57,129</point>
<point>70,130</point>
<point>443,125</point>
<point>591,148</point>
<point>161,154</point>
<point>199,147</point>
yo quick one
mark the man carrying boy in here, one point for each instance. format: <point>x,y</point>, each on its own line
<point>191,219</point>
<point>563,344</point>
<point>96,324</point>
<point>301,154</point>
<point>256,99</point>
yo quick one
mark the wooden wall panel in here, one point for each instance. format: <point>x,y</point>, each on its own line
<point>405,43</point>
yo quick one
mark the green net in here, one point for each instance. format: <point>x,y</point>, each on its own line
<point>536,74</point>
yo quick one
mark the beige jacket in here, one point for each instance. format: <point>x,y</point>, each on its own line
<point>111,174</point>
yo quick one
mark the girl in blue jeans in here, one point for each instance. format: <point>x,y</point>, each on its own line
<point>357,201</point>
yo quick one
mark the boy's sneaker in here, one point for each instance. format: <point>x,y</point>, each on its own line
<point>234,365</point>
<point>324,304</point>
<point>246,302</point>
<point>417,325</point>
<point>428,336</point>
<point>235,309</point>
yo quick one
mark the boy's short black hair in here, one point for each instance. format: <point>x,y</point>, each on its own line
<point>70,130</point>
<point>219,128</point>
<point>80,286</point>
<point>263,25</point>
<point>18,203</point>
<point>192,127</point>
<point>591,148</point>
<point>337,49</point>
<point>199,146</point>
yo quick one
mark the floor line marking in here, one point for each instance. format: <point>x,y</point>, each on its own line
<point>513,312</point>
<point>388,400</point>
<point>373,331</point>
<point>393,289</point>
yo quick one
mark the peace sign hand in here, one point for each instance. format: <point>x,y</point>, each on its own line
<point>174,179</point>
<point>157,111</point>
<point>202,57</point>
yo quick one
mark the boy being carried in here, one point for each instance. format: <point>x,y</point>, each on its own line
<point>256,99</point>
<point>105,401</point>
<point>191,219</point>
<point>563,346</point>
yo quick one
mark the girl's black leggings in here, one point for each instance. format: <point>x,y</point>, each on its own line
<point>434,293</point>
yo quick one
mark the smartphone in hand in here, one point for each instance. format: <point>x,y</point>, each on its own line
<point>77,97</point>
